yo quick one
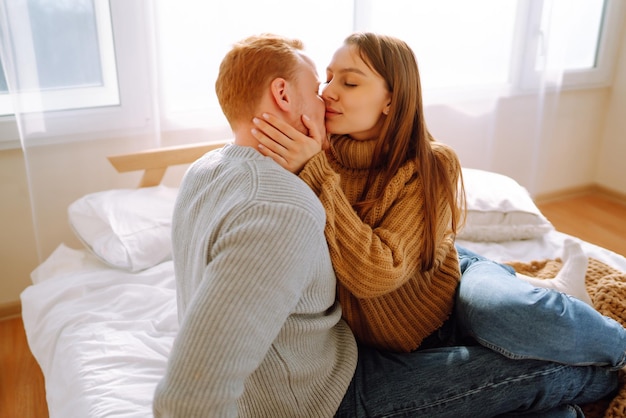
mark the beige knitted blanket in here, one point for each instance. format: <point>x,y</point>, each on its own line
<point>607,289</point>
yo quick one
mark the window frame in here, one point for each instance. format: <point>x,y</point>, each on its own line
<point>602,74</point>
<point>126,23</point>
<point>72,97</point>
<point>525,78</point>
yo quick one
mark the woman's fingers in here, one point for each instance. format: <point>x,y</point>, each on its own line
<point>316,132</point>
<point>288,159</point>
<point>284,144</point>
<point>269,147</point>
<point>281,126</point>
<point>266,134</point>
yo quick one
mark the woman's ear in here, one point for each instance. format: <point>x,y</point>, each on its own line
<point>387,107</point>
<point>279,89</point>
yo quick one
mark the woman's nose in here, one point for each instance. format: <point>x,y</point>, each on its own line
<point>326,92</point>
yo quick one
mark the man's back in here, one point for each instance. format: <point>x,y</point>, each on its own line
<point>256,295</point>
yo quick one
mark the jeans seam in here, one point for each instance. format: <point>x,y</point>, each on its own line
<point>513,356</point>
<point>490,386</point>
<point>505,353</point>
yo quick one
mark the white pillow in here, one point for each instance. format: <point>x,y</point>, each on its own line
<point>499,209</point>
<point>126,228</point>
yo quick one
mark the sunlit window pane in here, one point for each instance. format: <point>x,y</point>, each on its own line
<point>457,42</point>
<point>65,41</point>
<point>62,55</point>
<point>3,81</point>
<point>575,29</point>
<point>194,37</point>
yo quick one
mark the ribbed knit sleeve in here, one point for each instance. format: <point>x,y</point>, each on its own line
<point>386,299</point>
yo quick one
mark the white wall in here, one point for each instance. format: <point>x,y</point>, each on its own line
<point>546,152</point>
<point>611,171</point>
<point>17,246</point>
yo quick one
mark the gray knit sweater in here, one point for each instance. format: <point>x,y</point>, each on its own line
<point>261,333</point>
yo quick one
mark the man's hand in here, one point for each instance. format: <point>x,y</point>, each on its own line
<point>285,144</point>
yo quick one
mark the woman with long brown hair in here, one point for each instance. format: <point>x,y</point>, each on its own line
<point>390,194</point>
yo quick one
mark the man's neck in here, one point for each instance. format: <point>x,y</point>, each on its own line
<point>244,137</point>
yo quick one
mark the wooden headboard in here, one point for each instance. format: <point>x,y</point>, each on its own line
<point>154,162</point>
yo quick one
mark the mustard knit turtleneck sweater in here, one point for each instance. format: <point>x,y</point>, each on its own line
<point>387,301</point>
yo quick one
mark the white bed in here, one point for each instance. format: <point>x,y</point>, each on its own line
<point>100,320</point>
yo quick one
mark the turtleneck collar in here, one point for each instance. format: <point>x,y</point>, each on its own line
<point>352,153</point>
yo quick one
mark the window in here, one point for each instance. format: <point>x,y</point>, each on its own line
<point>104,92</point>
<point>64,49</point>
<point>579,37</point>
<point>576,27</point>
<point>590,56</point>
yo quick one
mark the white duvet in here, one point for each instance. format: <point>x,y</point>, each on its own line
<point>102,336</point>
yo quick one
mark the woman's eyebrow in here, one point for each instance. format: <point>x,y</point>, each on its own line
<point>348,70</point>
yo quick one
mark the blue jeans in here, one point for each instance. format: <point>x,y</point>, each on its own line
<point>469,382</point>
<point>509,349</point>
<point>520,321</point>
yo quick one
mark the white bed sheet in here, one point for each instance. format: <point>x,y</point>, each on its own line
<point>101,335</point>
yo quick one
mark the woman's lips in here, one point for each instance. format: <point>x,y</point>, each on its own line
<point>331,112</point>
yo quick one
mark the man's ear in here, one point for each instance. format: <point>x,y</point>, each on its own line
<point>279,89</point>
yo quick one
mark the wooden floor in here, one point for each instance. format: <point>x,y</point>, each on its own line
<point>22,393</point>
<point>594,218</point>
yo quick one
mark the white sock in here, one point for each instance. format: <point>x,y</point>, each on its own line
<point>571,278</point>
